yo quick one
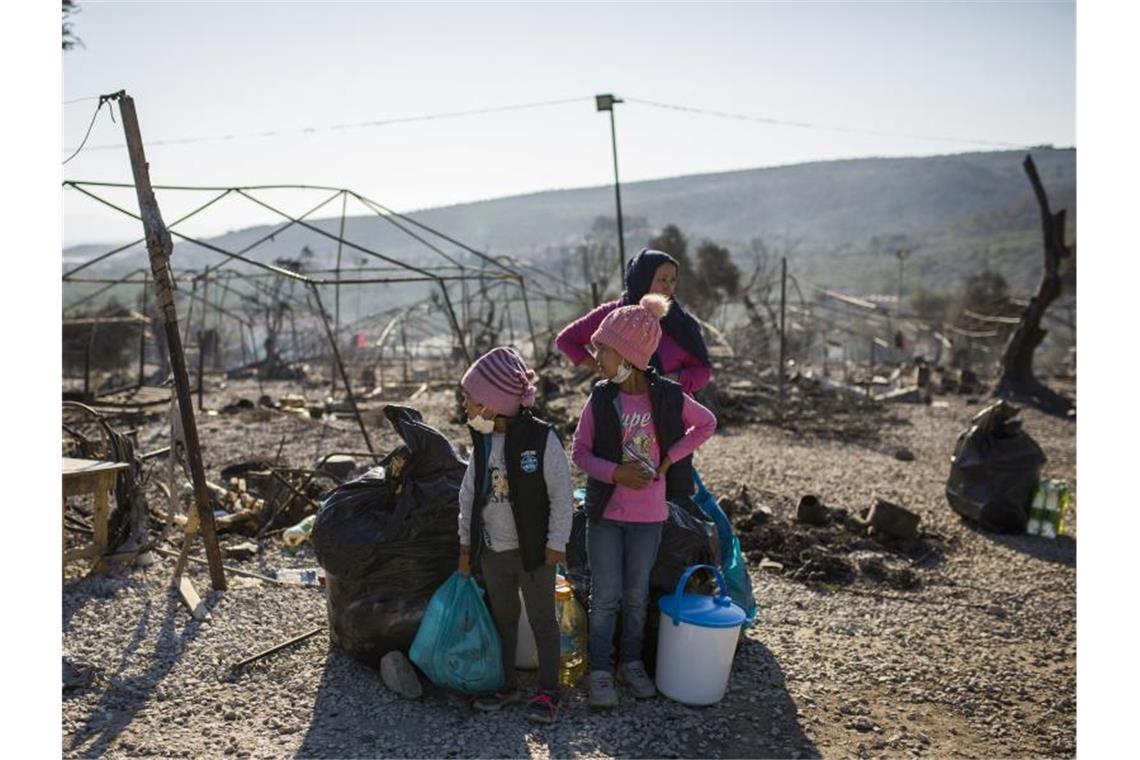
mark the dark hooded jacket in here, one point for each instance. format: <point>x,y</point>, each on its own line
<point>677,323</point>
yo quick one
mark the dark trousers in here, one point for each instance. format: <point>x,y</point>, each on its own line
<point>504,576</point>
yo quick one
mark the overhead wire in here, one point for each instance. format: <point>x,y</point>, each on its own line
<point>809,125</point>
<point>356,125</point>
<point>94,116</point>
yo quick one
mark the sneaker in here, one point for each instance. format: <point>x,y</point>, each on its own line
<point>498,700</point>
<point>543,708</point>
<point>633,675</point>
<point>398,675</point>
<point>602,691</point>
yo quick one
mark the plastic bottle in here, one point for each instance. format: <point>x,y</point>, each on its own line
<point>572,634</point>
<point>1052,516</point>
<point>303,576</point>
<point>1064,499</point>
<point>299,533</point>
<point>1036,510</point>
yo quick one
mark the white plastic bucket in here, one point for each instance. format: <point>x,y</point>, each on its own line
<point>696,642</point>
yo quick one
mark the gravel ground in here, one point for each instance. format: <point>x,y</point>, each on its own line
<point>980,661</point>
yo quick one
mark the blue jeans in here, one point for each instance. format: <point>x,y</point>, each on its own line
<point>621,556</point>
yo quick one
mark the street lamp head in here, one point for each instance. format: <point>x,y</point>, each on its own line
<point>606,102</point>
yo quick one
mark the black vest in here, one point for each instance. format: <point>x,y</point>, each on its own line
<point>525,452</point>
<point>666,399</point>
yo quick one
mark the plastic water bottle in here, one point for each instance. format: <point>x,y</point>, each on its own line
<point>1064,499</point>
<point>303,576</point>
<point>1036,510</point>
<point>299,533</point>
<point>572,635</point>
<point>1052,515</point>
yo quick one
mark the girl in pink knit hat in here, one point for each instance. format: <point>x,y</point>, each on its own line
<point>635,440</point>
<point>515,513</point>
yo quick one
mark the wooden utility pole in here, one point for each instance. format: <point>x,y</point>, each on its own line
<point>159,247</point>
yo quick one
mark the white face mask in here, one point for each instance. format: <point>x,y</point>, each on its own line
<point>623,373</point>
<point>481,425</point>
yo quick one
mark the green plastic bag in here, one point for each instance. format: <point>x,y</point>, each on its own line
<point>457,646</point>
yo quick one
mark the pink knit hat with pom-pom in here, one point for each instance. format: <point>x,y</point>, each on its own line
<point>501,381</point>
<point>634,331</point>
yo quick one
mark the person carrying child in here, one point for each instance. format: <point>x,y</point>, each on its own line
<point>635,439</point>
<point>515,515</point>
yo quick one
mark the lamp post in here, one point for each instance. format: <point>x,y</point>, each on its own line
<point>606,103</point>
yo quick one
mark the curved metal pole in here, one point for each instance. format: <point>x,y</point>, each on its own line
<point>340,365</point>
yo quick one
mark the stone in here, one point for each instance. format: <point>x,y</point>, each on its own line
<point>892,520</point>
<point>903,454</point>
<point>812,511</point>
<point>339,465</point>
<point>241,552</point>
<point>399,675</point>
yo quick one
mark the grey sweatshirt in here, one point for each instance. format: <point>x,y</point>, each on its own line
<point>498,521</point>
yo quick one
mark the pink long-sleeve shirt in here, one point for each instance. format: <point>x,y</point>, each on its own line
<point>575,338</point>
<point>639,442</point>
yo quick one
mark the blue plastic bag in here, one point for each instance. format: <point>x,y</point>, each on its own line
<point>732,563</point>
<point>457,646</point>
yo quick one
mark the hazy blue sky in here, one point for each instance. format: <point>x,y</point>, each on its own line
<point>989,71</point>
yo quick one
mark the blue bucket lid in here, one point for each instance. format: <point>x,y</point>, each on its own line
<point>698,609</point>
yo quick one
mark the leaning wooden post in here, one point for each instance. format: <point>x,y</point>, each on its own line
<point>159,247</point>
<point>145,327</point>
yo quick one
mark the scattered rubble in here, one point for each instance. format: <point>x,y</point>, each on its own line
<point>826,544</point>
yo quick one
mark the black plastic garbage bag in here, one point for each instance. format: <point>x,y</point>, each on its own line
<point>687,539</point>
<point>387,541</point>
<point>994,469</point>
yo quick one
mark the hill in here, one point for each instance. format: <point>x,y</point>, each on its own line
<point>960,213</point>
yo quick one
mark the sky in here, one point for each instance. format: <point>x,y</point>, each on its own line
<point>1002,73</point>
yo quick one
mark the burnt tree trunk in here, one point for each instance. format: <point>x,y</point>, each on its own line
<point>1017,382</point>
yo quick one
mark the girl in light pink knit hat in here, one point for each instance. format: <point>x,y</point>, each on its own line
<point>635,440</point>
<point>515,514</point>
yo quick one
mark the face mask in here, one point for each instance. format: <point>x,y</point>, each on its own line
<point>481,425</point>
<point>623,373</point>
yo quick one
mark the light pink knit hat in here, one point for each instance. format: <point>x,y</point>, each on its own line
<point>501,381</point>
<point>634,331</point>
